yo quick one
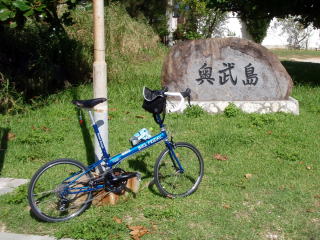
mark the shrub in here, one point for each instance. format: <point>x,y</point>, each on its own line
<point>10,100</point>
<point>260,120</point>
<point>18,196</point>
<point>231,110</point>
<point>194,111</point>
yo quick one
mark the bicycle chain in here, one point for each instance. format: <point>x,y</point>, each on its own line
<point>117,188</point>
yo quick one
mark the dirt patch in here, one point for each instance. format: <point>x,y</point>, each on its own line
<point>3,227</point>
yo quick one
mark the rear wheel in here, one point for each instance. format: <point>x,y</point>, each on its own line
<point>173,181</point>
<point>52,190</point>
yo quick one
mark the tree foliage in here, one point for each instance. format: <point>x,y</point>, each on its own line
<point>298,35</point>
<point>257,14</point>
<point>257,28</point>
<point>305,11</point>
<point>199,20</point>
<point>37,55</point>
<point>152,11</point>
<point>15,13</point>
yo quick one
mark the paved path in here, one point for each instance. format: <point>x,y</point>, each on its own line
<point>312,60</point>
<point>9,184</point>
<point>14,236</point>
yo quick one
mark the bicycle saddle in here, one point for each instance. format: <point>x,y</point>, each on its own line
<point>150,95</point>
<point>90,103</point>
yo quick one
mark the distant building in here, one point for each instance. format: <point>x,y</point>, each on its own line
<point>275,37</point>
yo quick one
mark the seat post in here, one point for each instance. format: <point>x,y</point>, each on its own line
<point>91,117</point>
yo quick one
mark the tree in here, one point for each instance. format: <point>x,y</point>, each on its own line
<point>298,34</point>
<point>37,55</point>
<point>257,28</point>
<point>199,20</point>
<point>154,11</point>
<point>14,13</point>
<point>305,11</point>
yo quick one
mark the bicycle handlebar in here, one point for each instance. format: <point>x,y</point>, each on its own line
<point>181,95</point>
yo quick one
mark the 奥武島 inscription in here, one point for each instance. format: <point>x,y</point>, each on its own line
<point>228,69</point>
<point>205,72</point>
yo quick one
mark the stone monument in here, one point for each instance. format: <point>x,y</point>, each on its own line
<point>221,71</point>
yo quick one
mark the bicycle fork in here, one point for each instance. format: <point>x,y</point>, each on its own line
<point>173,156</point>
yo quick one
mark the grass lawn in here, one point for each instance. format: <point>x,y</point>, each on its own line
<point>268,188</point>
<point>284,54</point>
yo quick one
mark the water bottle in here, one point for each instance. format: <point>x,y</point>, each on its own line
<point>140,136</point>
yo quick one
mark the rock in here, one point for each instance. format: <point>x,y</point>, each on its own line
<point>102,198</point>
<point>228,69</point>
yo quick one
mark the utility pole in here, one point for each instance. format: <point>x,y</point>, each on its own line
<point>100,76</point>
<point>169,15</point>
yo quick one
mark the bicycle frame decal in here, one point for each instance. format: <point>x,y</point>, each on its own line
<point>141,146</point>
<point>118,158</point>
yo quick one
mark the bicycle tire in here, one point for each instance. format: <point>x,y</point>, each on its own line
<point>47,195</point>
<point>169,180</point>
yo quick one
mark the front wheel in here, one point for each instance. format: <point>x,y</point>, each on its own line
<point>178,170</point>
<point>57,191</point>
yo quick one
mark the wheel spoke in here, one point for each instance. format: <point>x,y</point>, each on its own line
<point>59,204</point>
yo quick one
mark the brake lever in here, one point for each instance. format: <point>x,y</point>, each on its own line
<point>187,94</point>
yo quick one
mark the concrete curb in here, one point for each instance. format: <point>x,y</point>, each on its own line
<point>287,106</point>
<point>9,184</point>
<point>14,236</point>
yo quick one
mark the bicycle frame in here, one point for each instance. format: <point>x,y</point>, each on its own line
<point>117,159</point>
<point>110,162</point>
<point>64,188</point>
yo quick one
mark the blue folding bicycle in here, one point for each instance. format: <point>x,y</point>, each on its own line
<point>64,188</point>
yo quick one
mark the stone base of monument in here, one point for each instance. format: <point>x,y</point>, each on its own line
<point>102,198</point>
<point>287,106</point>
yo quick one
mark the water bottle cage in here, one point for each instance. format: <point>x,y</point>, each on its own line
<point>140,136</point>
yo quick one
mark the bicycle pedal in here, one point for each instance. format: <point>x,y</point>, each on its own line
<point>133,174</point>
<point>126,176</point>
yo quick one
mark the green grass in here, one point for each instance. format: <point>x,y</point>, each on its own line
<point>286,54</point>
<point>281,152</point>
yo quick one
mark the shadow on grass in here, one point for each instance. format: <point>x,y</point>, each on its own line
<point>32,215</point>
<point>153,188</point>
<point>303,73</point>
<point>139,164</point>
<point>4,136</point>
